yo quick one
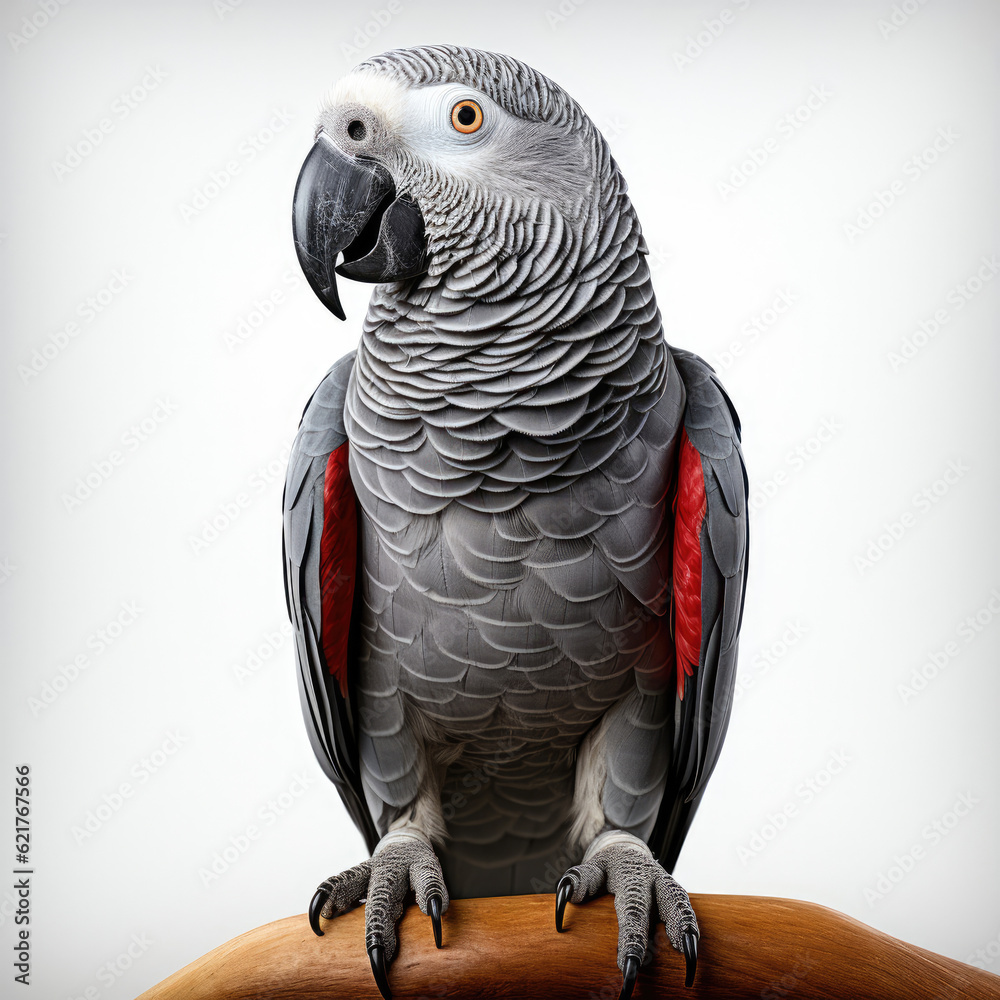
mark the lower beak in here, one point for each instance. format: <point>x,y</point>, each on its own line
<point>347,205</point>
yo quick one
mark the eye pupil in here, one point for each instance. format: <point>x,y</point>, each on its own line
<point>467,116</point>
<point>356,130</point>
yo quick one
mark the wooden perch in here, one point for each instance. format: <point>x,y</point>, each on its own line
<point>751,946</point>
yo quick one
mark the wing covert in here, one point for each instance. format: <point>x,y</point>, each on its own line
<point>319,548</point>
<point>711,547</point>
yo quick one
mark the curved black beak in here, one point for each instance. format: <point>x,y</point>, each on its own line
<point>347,205</point>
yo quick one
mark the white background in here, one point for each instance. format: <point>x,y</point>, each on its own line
<point>819,378</point>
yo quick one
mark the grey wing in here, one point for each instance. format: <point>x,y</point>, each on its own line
<point>713,428</point>
<point>329,712</point>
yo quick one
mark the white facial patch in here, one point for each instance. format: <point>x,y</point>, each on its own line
<point>385,96</point>
<point>530,158</point>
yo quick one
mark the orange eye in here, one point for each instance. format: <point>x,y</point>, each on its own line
<point>467,116</point>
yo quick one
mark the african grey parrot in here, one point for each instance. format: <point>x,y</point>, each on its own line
<point>515,519</point>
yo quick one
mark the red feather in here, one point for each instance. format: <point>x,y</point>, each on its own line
<point>689,515</point>
<point>338,562</point>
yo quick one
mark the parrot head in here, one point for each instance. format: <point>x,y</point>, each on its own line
<point>439,159</point>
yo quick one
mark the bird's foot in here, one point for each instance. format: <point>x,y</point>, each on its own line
<point>403,860</point>
<point>619,863</point>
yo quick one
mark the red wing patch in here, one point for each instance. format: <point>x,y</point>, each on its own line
<point>338,562</point>
<point>689,515</point>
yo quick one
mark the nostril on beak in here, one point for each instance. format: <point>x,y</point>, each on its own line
<point>356,130</point>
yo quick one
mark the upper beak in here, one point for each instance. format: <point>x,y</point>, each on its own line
<point>347,205</point>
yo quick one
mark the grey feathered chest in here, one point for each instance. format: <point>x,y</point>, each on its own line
<point>512,497</point>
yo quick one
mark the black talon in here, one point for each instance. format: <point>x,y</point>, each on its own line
<point>629,975</point>
<point>376,955</point>
<point>316,905</point>
<point>690,945</point>
<point>434,905</point>
<point>563,891</point>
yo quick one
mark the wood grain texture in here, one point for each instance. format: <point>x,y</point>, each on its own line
<point>751,946</point>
